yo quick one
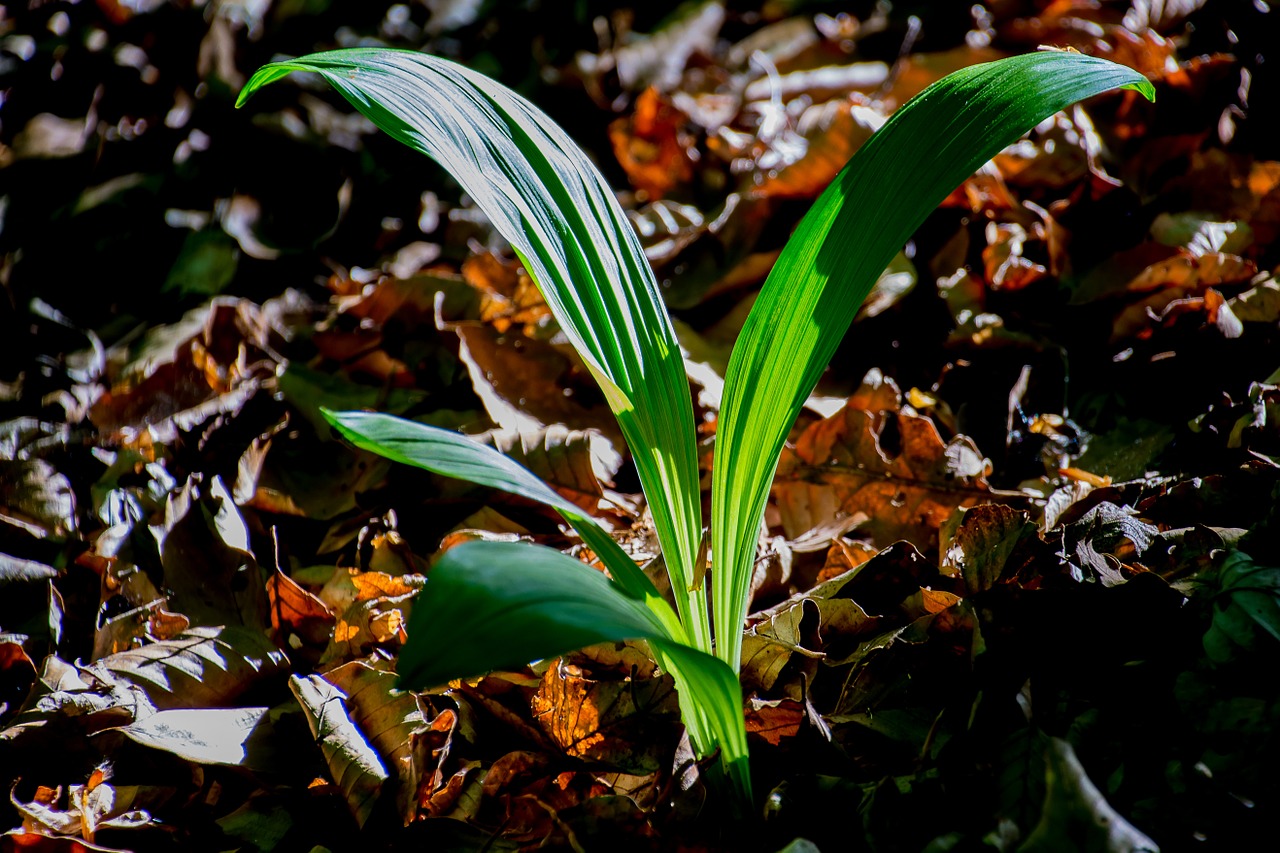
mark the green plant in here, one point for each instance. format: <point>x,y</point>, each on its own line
<point>517,603</point>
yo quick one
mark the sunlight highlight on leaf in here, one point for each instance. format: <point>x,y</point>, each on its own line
<point>835,256</point>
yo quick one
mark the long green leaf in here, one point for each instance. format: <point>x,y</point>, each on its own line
<point>849,236</point>
<point>452,455</point>
<point>446,452</point>
<point>489,605</point>
<point>553,206</point>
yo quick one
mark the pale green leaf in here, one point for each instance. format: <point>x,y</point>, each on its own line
<point>838,251</point>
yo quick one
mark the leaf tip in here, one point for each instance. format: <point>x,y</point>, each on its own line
<point>1143,87</point>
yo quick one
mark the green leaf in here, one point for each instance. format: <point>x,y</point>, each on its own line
<point>1246,610</point>
<point>713,723</point>
<point>491,605</point>
<point>445,452</point>
<point>553,206</point>
<point>835,256</point>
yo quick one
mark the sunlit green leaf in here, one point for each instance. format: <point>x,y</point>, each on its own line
<point>454,455</point>
<point>490,605</point>
<point>553,206</point>
<point>835,256</point>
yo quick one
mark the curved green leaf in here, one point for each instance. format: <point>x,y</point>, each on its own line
<point>446,452</point>
<point>858,224</point>
<point>552,205</point>
<point>491,605</point>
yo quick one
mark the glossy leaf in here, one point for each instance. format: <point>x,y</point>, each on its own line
<point>445,452</point>
<point>491,605</point>
<point>553,206</point>
<point>835,256</point>
<point>453,455</point>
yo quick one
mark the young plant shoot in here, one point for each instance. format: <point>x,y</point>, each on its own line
<point>516,602</point>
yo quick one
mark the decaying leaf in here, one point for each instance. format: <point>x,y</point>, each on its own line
<point>611,721</point>
<point>1076,815</point>
<point>885,470</point>
<point>393,723</point>
<point>238,737</point>
<point>206,667</point>
<point>353,763</point>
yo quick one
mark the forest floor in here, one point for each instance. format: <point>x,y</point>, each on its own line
<point>1021,577</point>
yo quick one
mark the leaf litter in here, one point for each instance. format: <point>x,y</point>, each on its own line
<point>1019,576</point>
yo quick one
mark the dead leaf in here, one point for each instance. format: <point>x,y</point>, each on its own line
<point>577,464</point>
<point>652,145</point>
<point>508,297</point>
<point>209,566</point>
<point>296,610</point>
<point>1075,809</point>
<point>394,724</point>
<point>889,470</point>
<point>353,763</point>
<point>616,722</point>
<point>828,135</point>
<point>206,667</point>
<point>527,385</point>
<point>236,737</point>
<point>35,498</point>
<point>984,545</point>
<point>775,721</point>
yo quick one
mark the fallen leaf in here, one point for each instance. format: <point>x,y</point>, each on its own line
<point>206,667</point>
<point>1075,809</point>
<point>236,737</point>
<point>652,145</point>
<point>889,470</point>
<point>616,722</point>
<point>984,545</point>
<point>353,763</point>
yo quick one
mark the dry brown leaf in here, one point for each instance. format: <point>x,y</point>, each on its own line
<point>353,763</point>
<point>527,385</point>
<point>294,609</point>
<point>393,723</point>
<point>653,146</point>
<point>832,132</point>
<point>207,667</point>
<point>615,722</point>
<point>887,468</point>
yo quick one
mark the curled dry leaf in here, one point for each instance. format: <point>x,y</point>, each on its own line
<point>886,468</point>
<point>985,544</point>
<point>37,499</point>
<point>621,723</point>
<point>296,610</point>
<point>90,808</point>
<point>354,765</point>
<point>508,297</point>
<point>209,566</point>
<point>828,135</point>
<point>393,723</point>
<point>208,364</point>
<point>653,146</point>
<point>829,622</point>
